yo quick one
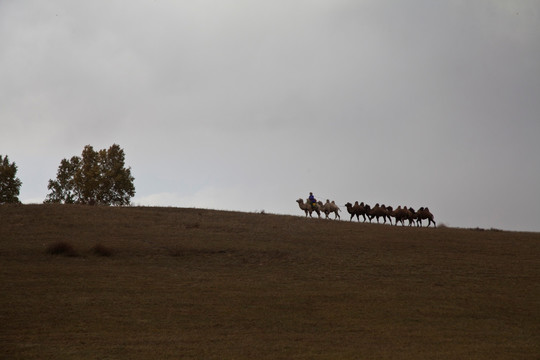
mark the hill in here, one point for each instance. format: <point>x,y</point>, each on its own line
<point>83,282</point>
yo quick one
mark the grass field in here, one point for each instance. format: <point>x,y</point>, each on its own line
<point>82,282</point>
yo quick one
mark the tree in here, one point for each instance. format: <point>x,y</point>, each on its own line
<point>97,177</point>
<point>9,184</point>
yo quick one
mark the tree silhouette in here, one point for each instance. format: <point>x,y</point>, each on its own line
<point>97,177</point>
<point>9,183</point>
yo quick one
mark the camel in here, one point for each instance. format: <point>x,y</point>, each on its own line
<point>377,212</point>
<point>412,216</point>
<point>353,210</point>
<point>389,212</point>
<point>308,209</point>
<point>356,210</point>
<point>400,214</point>
<point>424,213</point>
<point>330,207</point>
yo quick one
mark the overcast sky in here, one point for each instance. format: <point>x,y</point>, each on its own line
<point>250,105</point>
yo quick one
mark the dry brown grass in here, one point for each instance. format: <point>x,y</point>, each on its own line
<point>203,284</point>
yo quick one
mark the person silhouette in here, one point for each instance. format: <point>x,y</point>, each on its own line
<point>312,200</point>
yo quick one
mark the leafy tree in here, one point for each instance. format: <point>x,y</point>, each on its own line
<point>97,177</point>
<point>9,184</point>
<point>63,189</point>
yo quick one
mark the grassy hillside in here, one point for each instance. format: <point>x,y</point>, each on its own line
<point>170,283</point>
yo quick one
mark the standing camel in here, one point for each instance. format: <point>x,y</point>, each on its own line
<point>330,207</point>
<point>424,213</point>
<point>308,209</point>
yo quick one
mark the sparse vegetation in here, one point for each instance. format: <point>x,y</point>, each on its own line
<point>194,225</point>
<point>204,284</point>
<point>62,248</point>
<point>102,250</point>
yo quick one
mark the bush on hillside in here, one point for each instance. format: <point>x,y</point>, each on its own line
<point>62,248</point>
<point>102,250</point>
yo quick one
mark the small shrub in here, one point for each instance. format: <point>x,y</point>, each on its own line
<point>195,225</point>
<point>102,250</point>
<point>178,252</point>
<point>62,248</point>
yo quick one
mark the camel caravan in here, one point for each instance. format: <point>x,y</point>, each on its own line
<point>400,214</point>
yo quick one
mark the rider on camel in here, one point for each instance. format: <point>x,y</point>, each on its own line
<point>312,200</point>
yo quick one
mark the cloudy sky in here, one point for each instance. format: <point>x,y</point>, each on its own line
<point>250,105</point>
